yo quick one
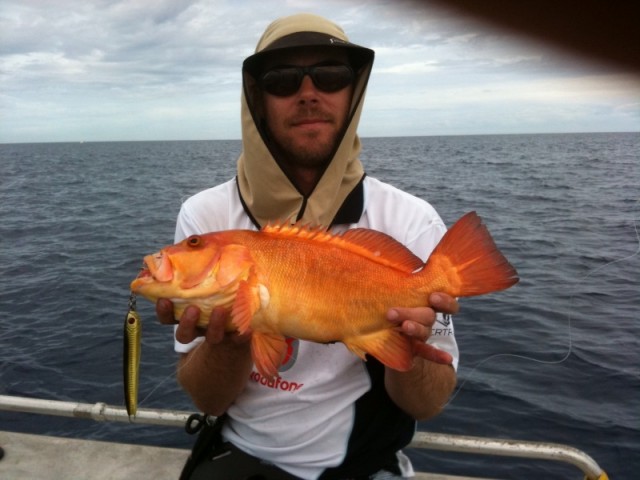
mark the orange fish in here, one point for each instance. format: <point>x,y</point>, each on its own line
<point>301,282</point>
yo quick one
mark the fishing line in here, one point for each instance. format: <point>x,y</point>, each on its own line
<point>171,375</point>
<point>566,356</point>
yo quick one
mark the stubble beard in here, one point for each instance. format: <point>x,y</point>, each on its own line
<point>313,153</point>
<point>309,149</point>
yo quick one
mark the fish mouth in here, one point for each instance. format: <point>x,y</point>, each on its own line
<point>157,267</point>
<point>144,274</point>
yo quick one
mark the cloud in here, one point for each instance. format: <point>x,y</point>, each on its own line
<point>109,70</point>
<point>411,68</point>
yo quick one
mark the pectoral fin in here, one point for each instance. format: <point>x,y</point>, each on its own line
<point>268,351</point>
<point>389,346</point>
<point>245,305</point>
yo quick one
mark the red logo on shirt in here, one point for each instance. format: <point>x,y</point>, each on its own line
<point>276,383</point>
<point>289,360</point>
<point>291,356</point>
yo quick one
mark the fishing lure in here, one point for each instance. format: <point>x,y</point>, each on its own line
<point>131,357</point>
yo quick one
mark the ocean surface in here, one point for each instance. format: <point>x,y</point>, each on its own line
<point>555,359</point>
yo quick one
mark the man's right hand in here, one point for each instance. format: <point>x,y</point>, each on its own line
<point>164,311</point>
<point>215,371</point>
<point>187,330</point>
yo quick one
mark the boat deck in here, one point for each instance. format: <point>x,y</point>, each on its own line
<point>29,456</point>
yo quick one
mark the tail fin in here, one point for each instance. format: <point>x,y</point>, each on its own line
<point>467,261</point>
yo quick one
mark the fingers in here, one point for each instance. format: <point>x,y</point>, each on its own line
<point>216,328</point>
<point>164,311</point>
<point>441,302</point>
<point>415,323</point>
<point>431,353</point>
<point>215,332</point>
<point>188,330</point>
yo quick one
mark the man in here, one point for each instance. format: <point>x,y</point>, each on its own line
<point>329,415</point>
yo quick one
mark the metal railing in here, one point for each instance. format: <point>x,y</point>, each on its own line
<point>100,412</point>
<point>434,441</point>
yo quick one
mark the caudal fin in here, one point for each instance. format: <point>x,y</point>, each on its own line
<point>467,261</point>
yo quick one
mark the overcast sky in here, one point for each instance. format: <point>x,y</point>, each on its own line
<point>170,70</point>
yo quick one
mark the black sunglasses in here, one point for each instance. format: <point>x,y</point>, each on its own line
<point>286,80</point>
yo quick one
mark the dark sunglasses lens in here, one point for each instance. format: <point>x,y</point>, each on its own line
<point>331,78</point>
<point>283,82</point>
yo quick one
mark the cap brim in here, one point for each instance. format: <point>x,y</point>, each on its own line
<point>358,55</point>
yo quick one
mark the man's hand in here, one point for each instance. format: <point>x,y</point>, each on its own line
<point>216,370</point>
<point>417,323</point>
<point>188,329</point>
<point>164,312</point>
<point>422,391</point>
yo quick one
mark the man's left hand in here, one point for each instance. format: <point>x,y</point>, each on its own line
<point>416,323</point>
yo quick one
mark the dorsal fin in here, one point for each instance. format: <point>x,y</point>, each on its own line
<point>376,246</point>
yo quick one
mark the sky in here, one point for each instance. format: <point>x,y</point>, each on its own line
<point>109,70</point>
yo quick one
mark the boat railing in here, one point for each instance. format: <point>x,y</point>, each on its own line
<point>426,440</point>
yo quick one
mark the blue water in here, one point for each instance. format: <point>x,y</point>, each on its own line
<point>556,358</point>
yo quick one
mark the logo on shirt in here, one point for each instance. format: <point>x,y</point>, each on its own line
<point>290,357</point>
<point>445,321</point>
<point>293,344</point>
<point>276,383</point>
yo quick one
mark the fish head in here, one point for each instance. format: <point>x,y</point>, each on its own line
<point>198,266</point>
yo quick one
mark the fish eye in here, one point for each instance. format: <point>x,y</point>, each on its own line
<point>194,241</point>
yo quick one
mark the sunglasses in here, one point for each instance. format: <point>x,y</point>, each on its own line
<point>286,80</point>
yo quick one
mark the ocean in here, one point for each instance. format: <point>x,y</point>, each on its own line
<point>556,358</point>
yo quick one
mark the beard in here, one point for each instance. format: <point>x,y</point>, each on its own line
<point>318,154</point>
<point>309,148</point>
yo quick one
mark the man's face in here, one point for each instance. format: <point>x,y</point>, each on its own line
<point>305,125</point>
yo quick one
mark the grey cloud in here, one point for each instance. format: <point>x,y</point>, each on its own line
<point>66,64</point>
